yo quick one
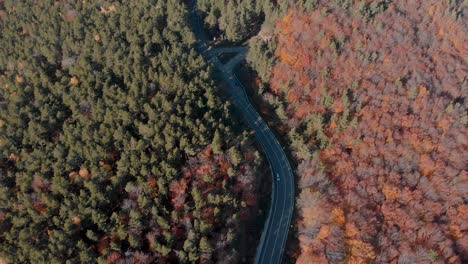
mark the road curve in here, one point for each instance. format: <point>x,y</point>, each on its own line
<point>275,232</point>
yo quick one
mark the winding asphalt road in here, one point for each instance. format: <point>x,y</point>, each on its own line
<point>275,232</point>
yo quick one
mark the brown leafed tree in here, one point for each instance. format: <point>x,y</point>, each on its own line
<point>387,96</point>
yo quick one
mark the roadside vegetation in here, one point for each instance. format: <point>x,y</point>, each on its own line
<point>371,97</point>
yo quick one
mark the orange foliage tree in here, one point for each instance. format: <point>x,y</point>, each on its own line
<point>387,98</point>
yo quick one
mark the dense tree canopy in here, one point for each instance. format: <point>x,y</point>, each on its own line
<point>237,20</point>
<point>374,98</point>
<point>233,18</point>
<point>114,145</point>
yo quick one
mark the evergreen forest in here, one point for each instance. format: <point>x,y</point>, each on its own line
<point>115,146</point>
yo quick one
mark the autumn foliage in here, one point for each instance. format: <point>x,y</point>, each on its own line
<point>383,101</point>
